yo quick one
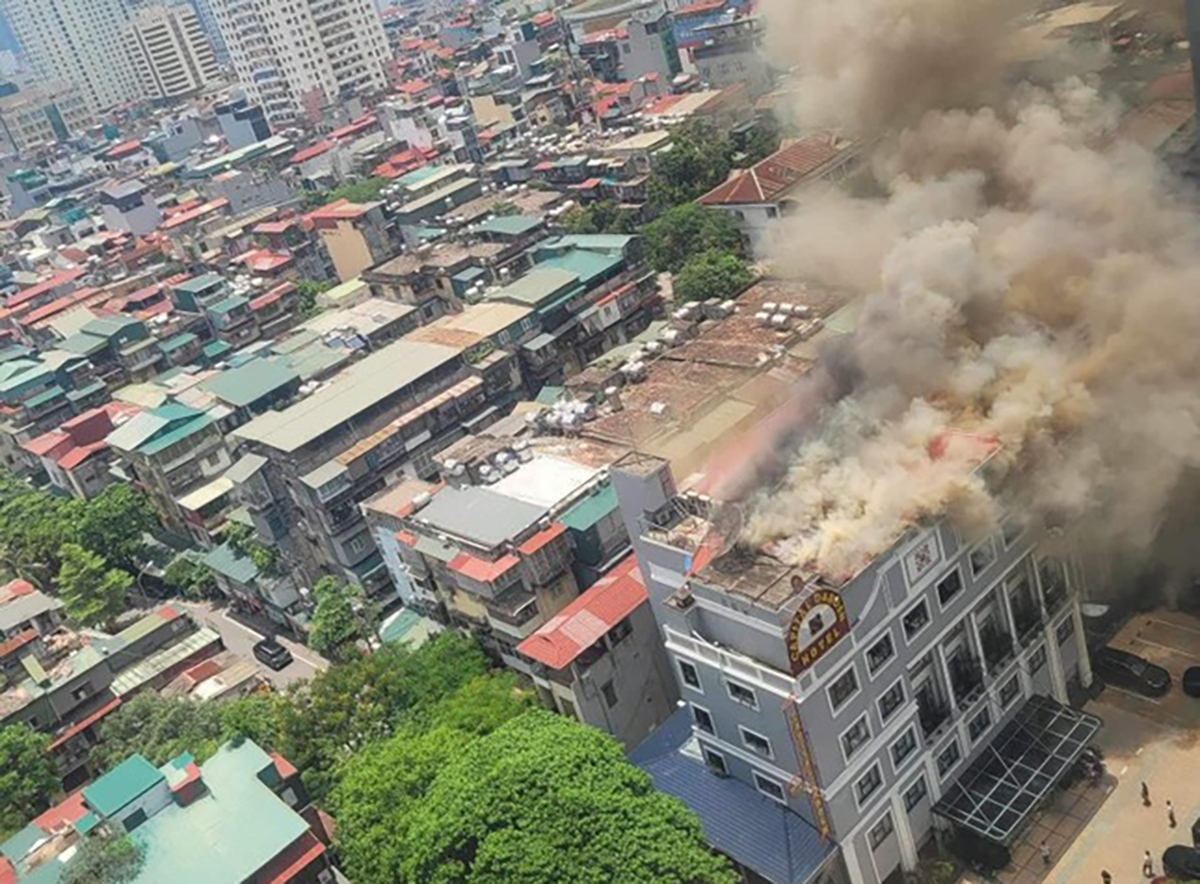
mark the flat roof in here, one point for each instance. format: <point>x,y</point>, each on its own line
<point>126,782</point>
<point>537,286</point>
<point>248,383</point>
<point>546,481</point>
<point>356,389</point>
<point>479,515</point>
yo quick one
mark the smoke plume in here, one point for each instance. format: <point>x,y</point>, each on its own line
<point>1031,294</point>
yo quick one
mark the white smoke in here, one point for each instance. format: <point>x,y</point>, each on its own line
<point>1027,281</point>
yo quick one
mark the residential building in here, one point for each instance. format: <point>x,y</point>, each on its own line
<point>167,452</point>
<point>355,236</point>
<point>242,122</point>
<point>296,58</point>
<point>130,207</point>
<point>46,114</point>
<point>639,47</point>
<point>600,659</point>
<point>235,817</point>
<point>75,454</point>
<point>730,52</point>
<point>270,593</point>
<point>382,418</point>
<point>80,42</point>
<point>170,51</point>
<point>862,703</point>
<point>757,196</point>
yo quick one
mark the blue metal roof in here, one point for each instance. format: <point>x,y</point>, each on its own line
<point>753,830</point>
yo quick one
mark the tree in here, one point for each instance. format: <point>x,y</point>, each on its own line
<point>103,859</point>
<point>34,526</point>
<point>351,705</point>
<point>310,291</point>
<point>933,871</point>
<point>686,231</point>
<point>160,728</point>
<point>356,192</point>
<point>379,785</point>
<point>28,775</point>
<point>115,523</point>
<point>504,208</point>
<point>600,217</point>
<point>762,141</point>
<point>92,593</point>
<point>546,800</point>
<point>713,274</point>
<point>344,616</point>
<point>242,540</point>
<point>190,578</point>
<point>700,158</point>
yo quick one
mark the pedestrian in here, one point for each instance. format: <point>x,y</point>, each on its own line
<point>1045,854</point>
<point>1170,815</point>
<point>1148,866</point>
<point>1145,795</point>
<point>1105,877</point>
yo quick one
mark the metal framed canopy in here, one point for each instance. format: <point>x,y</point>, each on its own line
<point>1017,769</point>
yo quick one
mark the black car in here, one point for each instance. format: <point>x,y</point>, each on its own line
<point>1181,862</point>
<point>1130,671</point>
<point>272,654</point>
<point>1191,681</point>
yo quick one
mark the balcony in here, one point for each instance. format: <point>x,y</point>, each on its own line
<point>997,648</point>
<point>966,676</point>
<point>934,715</point>
<point>515,613</point>
<point>1028,621</point>
<point>1055,597</point>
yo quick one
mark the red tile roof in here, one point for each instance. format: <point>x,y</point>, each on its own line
<point>769,179</point>
<point>482,570</point>
<point>124,149</point>
<point>194,213</point>
<point>84,723</point>
<point>18,641</point>
<point>413,87</point>
<point>275,226</point>
<point>45,286</point>
<point>297,857</point>
<point>337,210</point>
<point>312,152</point>
<point>537,541</point>
<point>263,260</point>
<point>584,622</point>
<point>66,813</point>
<point>605,36</point>
<point>407,538</point>
<point>286,769</point>
<point>349,131</point>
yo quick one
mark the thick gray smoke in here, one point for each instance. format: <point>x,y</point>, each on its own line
<point>1028,283</point>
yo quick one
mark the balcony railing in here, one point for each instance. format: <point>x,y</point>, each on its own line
<point>966,676</point>
<point>1028,622</point>
<point>934,716</point>
<point>1055,598</point>
<point>997,648</point>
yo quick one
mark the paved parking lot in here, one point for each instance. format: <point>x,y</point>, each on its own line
<point>1150,740</point>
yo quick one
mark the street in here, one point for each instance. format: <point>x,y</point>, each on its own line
<point>241,639</point>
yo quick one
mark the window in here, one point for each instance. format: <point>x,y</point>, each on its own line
<point>879,653</point>
<point>1009,692</point>
<point>620,631</point>
<point>769,787</point>
<point>916,619</point>
<point>949,587</point>
<point>979,724</point>
<point>1065,630</point>
<point>81,692</point>
<point>610,694</point>
<point>1037,659</point>
<point>756,743</point>
<point>880,831</point>
<point>868,785</point>
<point>690,675</point>
<point>703,720</point>
<point>948,758</point>
<point>903,748</point>
<point>742,694</point>
<point>914,794</point>
<point>856,737</point>
<point>1010,530</point>
<point>892,700</point>
<point>982,556</point>
<point>845,687</point>
<point>715,761</point>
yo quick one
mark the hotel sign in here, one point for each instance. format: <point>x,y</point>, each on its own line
<point>818,624</point>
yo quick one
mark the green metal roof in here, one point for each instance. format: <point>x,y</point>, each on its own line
<point>598,504</point>
<point>538,288</point>
<point>83,344</point>
<point>238,568</point>
<point>509,225</point>
<point>228,305</point>
<point>216,349</point>
<point>85,391</point>
<point>408,627</point>
<point>179,341</point>
<point>247,384</point>
<point>588,265</point>
<point>229,835</point>
<point>126,782</point>
<point>47,395</point>
<point>200,283</point>
<point>168,439</point>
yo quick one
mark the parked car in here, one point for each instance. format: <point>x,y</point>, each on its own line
<point>1181,862</point>
<point>1191,681</point>
<point>1130,671</point>
<point>272,654</point>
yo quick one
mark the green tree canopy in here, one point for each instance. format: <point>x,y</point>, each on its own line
<point>686,231</point>
<point>712,274</point>
<point>379,785</point>
<point>344,616</point>
<point>28,775</point>
<point>545,800</point>
<point>190,578</point>
<point>600,217</point>
<point>356,192</point>
<point>700,158</point>
<point>102,859</point>
<point>92,593</point>
<point>115,523</point>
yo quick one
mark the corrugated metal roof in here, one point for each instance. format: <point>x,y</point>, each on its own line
<point>480,515</point>
<point>156,664</point>
<point>752,829</point>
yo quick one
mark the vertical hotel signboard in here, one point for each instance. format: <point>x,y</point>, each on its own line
<point>807,781</point>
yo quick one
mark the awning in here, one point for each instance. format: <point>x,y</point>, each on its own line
<point>996,794</point>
